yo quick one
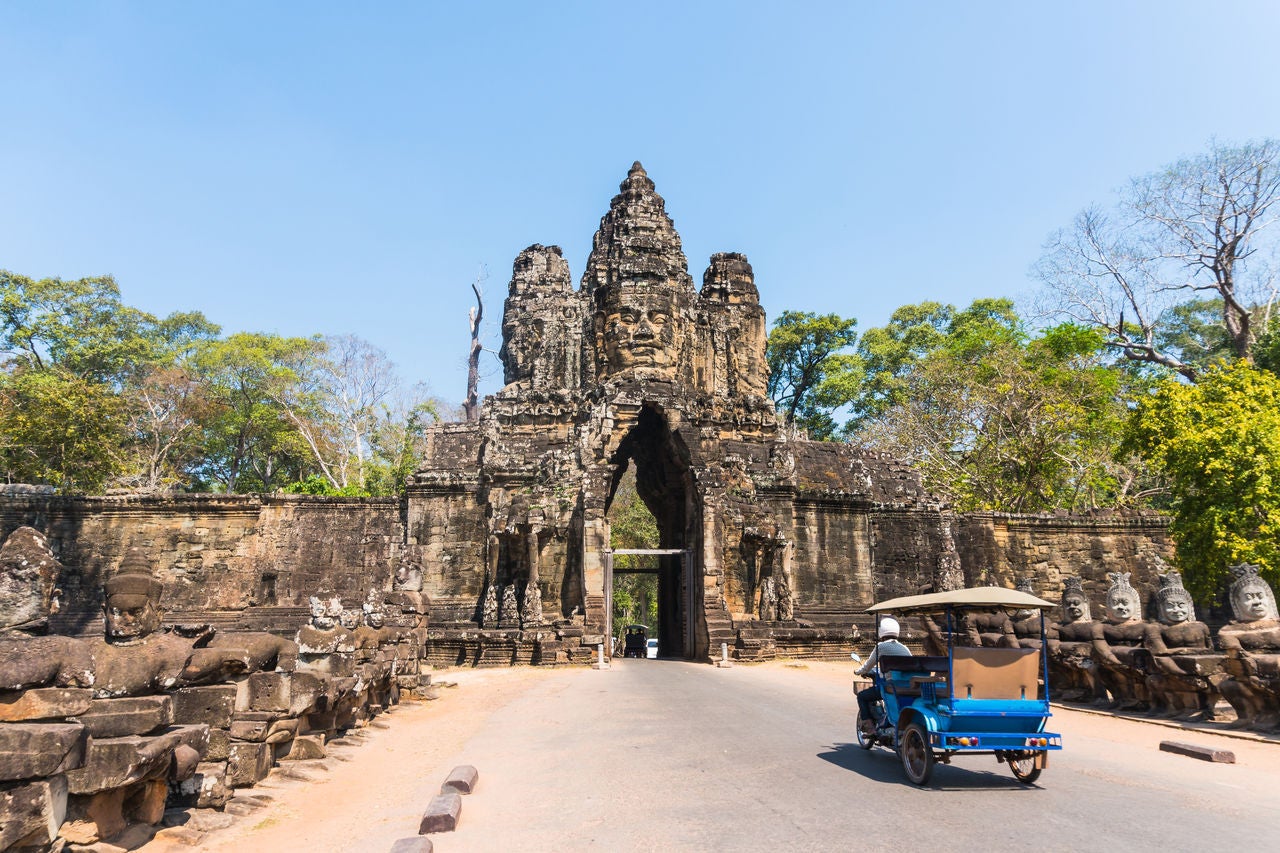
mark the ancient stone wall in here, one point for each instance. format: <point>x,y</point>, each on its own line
<point>997,549</point>
<point>217,555</point>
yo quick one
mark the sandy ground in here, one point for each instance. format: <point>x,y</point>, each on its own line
<point>379,793</point>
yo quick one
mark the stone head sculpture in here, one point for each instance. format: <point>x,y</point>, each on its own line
<point>1251,597</point>
<point>1175,602</point>
<point>1123,602</point>
<point>408,577</point>
<point>324,613</point>
<point>374,616</point>
<point>131,606</point>
<point>639,284</point>
<point>29,577</point>
<point>538,275</point>
<point>350,619</point>
<point>1075,604</point>
<point>638,328</point>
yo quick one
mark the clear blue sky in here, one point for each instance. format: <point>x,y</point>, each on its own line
<point>349,168</point>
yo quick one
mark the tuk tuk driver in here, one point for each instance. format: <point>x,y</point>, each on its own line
<point>888,645</point>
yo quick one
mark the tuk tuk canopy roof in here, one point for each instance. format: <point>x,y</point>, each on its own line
<point>978,596</point>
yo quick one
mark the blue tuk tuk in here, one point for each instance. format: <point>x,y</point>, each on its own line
<point>973,700</point>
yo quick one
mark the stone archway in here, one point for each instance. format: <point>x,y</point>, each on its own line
<point>664,482</point>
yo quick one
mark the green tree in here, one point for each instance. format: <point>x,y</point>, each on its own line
<point>994,418</point>
<point>250,438</point>
<point>632,525</point>
<point>59,429</point>
<point>890,354</point>
<point>810,374</point>
<point>1218,443</point>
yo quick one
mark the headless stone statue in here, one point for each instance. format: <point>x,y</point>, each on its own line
<point>1183,663</point>
<point>1118,646</point>
<point>1026,623</point>
<point>29,577</point>
<point>1251,644</point>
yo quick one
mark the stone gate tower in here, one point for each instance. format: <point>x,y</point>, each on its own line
<point>784,540</point>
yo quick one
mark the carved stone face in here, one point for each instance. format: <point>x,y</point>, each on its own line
<point>1076,607</point>
<point>1175,610</point>
<point>349,619</point>
<point>321,618</point>
<point>1253,602</point>
<point>522,342</point>
<point>130,618</point>
<point>374,618</point>
<point>639,331</point>
<point>1123,608</point>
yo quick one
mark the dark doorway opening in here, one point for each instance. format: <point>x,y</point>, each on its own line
<point>662,483</point>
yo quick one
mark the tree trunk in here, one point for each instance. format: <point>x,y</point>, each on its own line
<point>472,406</point>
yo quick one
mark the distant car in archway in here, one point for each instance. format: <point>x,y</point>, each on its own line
<point>635,642</point>
<point>651,649</point>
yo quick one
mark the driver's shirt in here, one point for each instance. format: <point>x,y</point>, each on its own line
<point>884,647</point>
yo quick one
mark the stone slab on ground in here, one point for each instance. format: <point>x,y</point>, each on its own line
<point>462,779</point>
<point>1204,753</point>
<point>412,845</point>
<point>442,814</point>
<point>180,835</point>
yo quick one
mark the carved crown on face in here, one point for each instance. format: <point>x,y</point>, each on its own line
<point>134,577</point>
<point>1027,585</point>
<point>1171,589</point>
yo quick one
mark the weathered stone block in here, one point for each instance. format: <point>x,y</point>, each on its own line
<point>185,761</point>
<point>99,815</point>
<point>207,788</point>
<point>219,742</point>
<point>442,814</point>
<point>306,690</point>
<point>269,691</point>
<point>248,763</point>
<point>146,804</point>
<point>32,813</point>
<point>462,779</point>
<point>111,718</point>
<point>254,731</point>
<point>212,705</point>
<point>307,747</point>
<point>282,731</point>
<point>116,762</point>
<point>1204,753</point>
<point>47,703</point>
<point>34,750</point>
<point>412,845</point>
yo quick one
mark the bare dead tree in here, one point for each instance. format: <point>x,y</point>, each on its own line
<point>1201,228</point>
<point>471,408</point>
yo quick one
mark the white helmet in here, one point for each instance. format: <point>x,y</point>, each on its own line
<point>888,628</point>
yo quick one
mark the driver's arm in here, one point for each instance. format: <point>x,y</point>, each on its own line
<point>871,662</point>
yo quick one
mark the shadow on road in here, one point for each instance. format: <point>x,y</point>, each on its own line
<point>881,765</point>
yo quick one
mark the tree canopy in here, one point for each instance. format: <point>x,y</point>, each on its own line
<point>810,372</point>
<point>1218,443</point>
<point>97,394</point>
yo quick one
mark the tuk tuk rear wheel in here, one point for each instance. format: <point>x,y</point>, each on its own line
<point>917,757</point>
<point>1024,767</point>
<point>865,740</point>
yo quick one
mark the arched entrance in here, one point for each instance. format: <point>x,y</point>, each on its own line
<point>665,484</point>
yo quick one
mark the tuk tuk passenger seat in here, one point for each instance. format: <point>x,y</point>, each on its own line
<point>995,673</point>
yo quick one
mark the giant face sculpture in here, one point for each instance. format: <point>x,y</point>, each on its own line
<point>1123,603</point>
<point>638,331</point>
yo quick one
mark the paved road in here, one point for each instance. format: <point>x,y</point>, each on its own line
<point>665,755</point>
<point>672,756</point>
